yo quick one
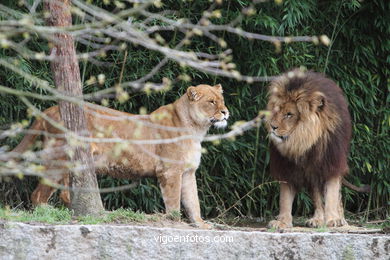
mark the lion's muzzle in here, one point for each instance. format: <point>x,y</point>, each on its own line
<point>278,138</point>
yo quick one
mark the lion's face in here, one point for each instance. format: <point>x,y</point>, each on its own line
<point>296,121</point>
<point>283,120</point>
<point>207,105</point>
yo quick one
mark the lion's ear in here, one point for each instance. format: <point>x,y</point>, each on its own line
<point>303,107</point>
<point>219,87</point>
<point>317,102</point>
<point>193,94</point>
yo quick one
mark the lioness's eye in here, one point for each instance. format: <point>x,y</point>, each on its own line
<point>212,102</point>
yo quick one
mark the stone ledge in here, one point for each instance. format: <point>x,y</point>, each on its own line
<point>24,241</point>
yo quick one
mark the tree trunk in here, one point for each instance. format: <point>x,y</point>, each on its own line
<point>66,73</point>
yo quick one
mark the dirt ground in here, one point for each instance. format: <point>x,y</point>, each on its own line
<point>254,226</point>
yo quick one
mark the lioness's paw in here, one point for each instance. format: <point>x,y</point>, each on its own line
<point>205,226</point>
<point>278,224</point>
<point>315,222</point>
<point>337,222</point>
<point>201,225</point>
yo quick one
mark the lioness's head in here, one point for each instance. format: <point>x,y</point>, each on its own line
<point>207,106</point>
<point>300,113</point>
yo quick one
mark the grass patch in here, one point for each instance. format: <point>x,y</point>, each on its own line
<point>321,229</point>
<point>174,215</point>
<point>121,216</point>
<point>45,214</point>
<point>51,215</point>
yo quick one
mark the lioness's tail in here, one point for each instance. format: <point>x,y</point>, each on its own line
<point>29,138</point>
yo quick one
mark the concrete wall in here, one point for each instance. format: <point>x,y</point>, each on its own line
<point>23,241</point>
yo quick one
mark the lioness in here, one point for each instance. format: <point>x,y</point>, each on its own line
<point>165,144</point>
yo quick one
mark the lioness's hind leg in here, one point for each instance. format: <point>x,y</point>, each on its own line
<point>318,218</point>
<point>42,194</point>
<point>65,194</point>
<point>284,219</point>
<point>334,216</point>
<point>53,156</point>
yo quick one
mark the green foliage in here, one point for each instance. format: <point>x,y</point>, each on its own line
<point>358,59</point>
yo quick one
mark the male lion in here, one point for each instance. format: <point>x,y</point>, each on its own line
<point>165,144</point>
<point>310,130</point>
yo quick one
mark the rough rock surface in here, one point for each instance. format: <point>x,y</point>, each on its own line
<point>24,241</point>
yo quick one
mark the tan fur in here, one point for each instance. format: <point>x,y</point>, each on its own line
<point>334,213</point>
<point>318,219</point>
<point>173,163</point>
<point>284,219</point>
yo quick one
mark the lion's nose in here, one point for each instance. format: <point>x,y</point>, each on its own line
<point>274,127</point>
<point>224,112</point>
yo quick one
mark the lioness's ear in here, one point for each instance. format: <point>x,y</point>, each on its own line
<point>193,94</point>
<point>219,87</point>
<point>317,102</point>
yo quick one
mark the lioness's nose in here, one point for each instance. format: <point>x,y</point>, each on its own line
<point>274,127</point>
<point>224,112</point>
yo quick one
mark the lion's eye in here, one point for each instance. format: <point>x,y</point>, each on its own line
<point>289,115</point>
<point>212,102</point>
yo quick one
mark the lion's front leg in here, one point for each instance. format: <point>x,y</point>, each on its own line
<point>284,219</point>
<point>318,219</point>
<point>170,185</point>
<point>334,216</point>
<point>190,200</point>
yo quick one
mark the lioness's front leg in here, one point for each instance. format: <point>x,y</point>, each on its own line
<point>334,216</point>
<point>190,200</point>
<point>170,185</point>
<point>284,219</point>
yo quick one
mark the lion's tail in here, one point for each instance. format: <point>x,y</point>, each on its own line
<point>365,188</point>
<point>30,137</point>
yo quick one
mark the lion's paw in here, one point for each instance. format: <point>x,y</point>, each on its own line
<point>337,222</point>
<point>278,224</point>
<point>315,222</point>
